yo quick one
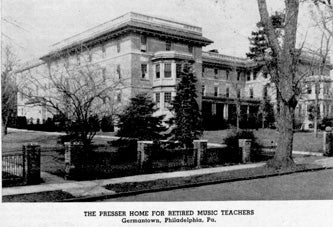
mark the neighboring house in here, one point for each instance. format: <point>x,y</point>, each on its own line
<point>148,52</point>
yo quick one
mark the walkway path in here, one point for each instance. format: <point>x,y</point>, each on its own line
<point>95,187</point>
<point>91,187</point>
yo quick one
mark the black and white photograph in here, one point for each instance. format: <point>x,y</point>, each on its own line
<point>167,112</point>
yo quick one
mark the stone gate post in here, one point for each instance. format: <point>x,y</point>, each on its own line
<point>328,142</point>
<point>143,153</point>
<point>245,146</point>
<point>200,147</point>
<point>32,156</point>
<point>72,152</point>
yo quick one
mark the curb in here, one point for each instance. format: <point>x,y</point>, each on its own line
<point>130,193</point>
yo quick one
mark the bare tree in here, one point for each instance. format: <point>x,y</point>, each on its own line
<point>283,69</point>
<point>8,86</point>
<point>324,13</point>
<point>78,90</point>
<point>236,94</point>
<point>323,16</point>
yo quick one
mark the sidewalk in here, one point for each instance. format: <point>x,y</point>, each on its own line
<point>96,188</point>
<point>96,185</point>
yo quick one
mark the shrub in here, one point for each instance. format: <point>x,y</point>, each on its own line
<point>107,124</point>
<point>233,150</point>
<point>137,120</point>
<point>49,125</point>
<point>126,147</point>
<point>21,122</point>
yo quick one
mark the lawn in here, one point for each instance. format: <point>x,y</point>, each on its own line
<point>14,140</point>
<point>52,156</point>
<point>52,153</point>
<point>303,141</point>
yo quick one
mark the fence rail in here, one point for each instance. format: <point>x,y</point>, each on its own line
<point>13,166</point>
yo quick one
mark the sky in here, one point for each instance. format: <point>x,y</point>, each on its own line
<point>31,27</point>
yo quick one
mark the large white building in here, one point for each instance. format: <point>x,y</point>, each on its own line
<point>148,53</point>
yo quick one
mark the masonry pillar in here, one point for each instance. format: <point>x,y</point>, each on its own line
<point>200,147</point>
<point>143,153</point>
<point>328,142</point>
<point>245,146</point>
<point>225,111</point>
<point>32,154</point>
<point>72,155</point>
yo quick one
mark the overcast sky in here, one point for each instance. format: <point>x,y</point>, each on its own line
<point>33,25</point>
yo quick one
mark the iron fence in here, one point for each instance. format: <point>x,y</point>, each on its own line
<point>13,166</point>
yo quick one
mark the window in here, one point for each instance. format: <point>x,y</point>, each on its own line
<point>203,69</point>
<point>144,73</point>
<point>157,98</point>
<point>248,76</point>
<point>143,46</point>
<point>238,75</point>
<point>309,89</point>
<point>216,71</point>
<point>216,91</point>
<point>167,70</point>
<point>254,75</point>
<point>178,70</point>
<point>238,93</point>
<point>324,110</point>
<point>190,49</point>
<point>265,75</point>
<point>265,92</point>
<point>251,93</point>
<point>119,97</point>
<point>118,46</point>
<point>103,50</point>
<point>167,45</point>
<point>227,92</point>
<point>227,74</point>
<point>78,59</point>
<point>119,71</point>
<point>167,97</point>
<point>157,71</point>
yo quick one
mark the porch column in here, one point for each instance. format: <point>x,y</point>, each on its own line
<point>247,111</point>
<point>225,111</point>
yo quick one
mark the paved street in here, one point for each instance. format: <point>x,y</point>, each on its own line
<point>301,186</point>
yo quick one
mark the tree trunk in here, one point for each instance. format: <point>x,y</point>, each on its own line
<point>315,125</point>
<point>283,155</point>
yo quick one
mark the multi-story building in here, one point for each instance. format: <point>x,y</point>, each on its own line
<point>148,52</point>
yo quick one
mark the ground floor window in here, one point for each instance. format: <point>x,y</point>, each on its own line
<point>167,97</point>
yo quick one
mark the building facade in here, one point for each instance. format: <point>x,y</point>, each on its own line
<point>147,53</point>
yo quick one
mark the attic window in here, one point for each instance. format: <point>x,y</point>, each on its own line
<point>167,45</point>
